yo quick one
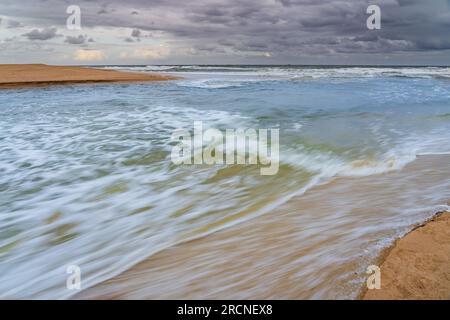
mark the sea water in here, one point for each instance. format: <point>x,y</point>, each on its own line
<point>86,177</point>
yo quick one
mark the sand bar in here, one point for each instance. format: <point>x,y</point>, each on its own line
<point>23,75</point>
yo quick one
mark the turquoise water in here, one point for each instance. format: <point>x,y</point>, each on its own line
<point>86,177</point>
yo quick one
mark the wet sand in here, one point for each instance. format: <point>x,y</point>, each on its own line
<point>418,265</point>
<point>23,75</point>
<point>316,246</point>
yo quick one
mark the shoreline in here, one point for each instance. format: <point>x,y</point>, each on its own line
<point>416,256</point>
<point>13,76</point>
<point>387,254</point>
<point>274,256</point>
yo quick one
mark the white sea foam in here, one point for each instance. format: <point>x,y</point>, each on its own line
<point>299,73</point>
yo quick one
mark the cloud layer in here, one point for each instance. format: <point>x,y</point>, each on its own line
<point>234,31</point>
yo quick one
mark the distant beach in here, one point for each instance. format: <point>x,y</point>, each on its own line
<point>22,75</point>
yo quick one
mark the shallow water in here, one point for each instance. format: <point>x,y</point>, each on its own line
<point>316,246</point>
<point>86,177</point>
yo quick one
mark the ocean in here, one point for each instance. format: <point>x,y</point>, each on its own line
<point>86,176</point>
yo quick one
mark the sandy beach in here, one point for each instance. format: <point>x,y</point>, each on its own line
<point>292,253</point>
<point>417,266</point>
<point>22,75</point>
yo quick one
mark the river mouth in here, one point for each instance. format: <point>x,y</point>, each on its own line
<point>316,246</point>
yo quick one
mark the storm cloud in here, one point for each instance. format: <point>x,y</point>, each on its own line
<point>291,31</point>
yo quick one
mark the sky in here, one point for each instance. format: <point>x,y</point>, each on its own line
<point>413,32</point>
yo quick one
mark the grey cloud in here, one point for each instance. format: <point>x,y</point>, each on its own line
<point>43,34</point>
<point>80,39</point>
<point>285,28</point>
<point>136,33</point>
<point>135,36</point>
<point>10,39</point>
<point>14,24</point>
<point>104,9</point>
